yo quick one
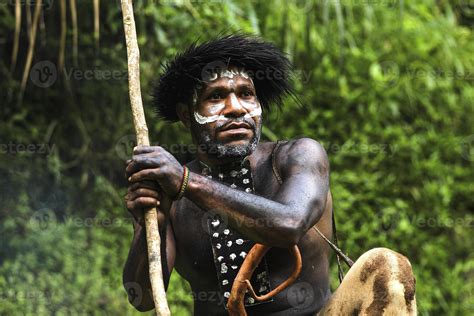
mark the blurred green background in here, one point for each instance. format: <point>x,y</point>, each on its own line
<point>387,87</point>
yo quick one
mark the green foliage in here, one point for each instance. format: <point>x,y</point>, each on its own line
<point>386,87</point>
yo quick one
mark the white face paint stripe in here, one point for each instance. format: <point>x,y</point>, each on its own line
<point>216,108</point>
<point>201,119</point>
<point>229,74</point>
<point>214,75</point>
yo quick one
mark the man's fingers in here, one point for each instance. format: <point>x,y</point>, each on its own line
<point>143,161</point>
<point>147,174</point>
<point>143,203</point>
<point>152,185</point>
<point>141,192</point>
<point>144,149</point>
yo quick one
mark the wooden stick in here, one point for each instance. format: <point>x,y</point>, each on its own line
<point>62,41</point>
<point>31,49</point>
<point>346,259</point>
<point>75,36</point>
<point>97,24</point>
<point>141,130</point>
<point>16,40</point>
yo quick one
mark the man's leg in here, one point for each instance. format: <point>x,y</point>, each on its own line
<point>381,282</point>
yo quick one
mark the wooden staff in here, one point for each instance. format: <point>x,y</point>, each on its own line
<point>16,39</point>
<point>141,130</point>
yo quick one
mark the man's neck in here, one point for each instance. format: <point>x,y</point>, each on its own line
<point>213,161</point>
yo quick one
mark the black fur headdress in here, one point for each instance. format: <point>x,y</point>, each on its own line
<point>268,67</point>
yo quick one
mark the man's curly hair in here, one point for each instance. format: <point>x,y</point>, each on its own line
<point>268,67</point>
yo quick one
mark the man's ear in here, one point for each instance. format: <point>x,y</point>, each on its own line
<point>183,113</point>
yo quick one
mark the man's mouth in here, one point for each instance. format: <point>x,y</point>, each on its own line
<point>236,127</point>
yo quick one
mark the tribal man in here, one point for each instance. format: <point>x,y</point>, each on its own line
<point>240,191</point>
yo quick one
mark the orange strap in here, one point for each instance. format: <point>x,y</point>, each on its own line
<point>235,304</point>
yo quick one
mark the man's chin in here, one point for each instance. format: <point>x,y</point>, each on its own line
<point>236,148</point>
<point>236,142</point>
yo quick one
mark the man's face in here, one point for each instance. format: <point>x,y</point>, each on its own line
<point>226,115</point>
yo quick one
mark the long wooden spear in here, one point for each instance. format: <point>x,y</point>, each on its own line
<point>141,130</point>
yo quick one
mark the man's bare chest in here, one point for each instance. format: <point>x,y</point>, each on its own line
<point>190,225</point>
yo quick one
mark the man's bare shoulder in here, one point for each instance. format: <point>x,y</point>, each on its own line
<point>300,153</point>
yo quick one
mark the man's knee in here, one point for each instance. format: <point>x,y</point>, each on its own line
<point>392,281</point>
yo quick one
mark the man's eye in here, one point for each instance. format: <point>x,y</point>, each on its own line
<point>247,93</point>
<point>215,96</point>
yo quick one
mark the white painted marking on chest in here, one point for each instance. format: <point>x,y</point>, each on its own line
<point>224,268</point>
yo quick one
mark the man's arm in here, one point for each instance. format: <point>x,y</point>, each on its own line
<point>136,277</point>
<point>297,206</point>
<point>284,219</point>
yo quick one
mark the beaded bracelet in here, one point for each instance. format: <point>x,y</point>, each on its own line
<point>184,183</point>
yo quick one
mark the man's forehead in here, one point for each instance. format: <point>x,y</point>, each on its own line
<point>224,76</point>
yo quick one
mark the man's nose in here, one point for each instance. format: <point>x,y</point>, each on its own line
<point>233,107</point>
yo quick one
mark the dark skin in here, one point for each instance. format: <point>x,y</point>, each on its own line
<point>276,215</point>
